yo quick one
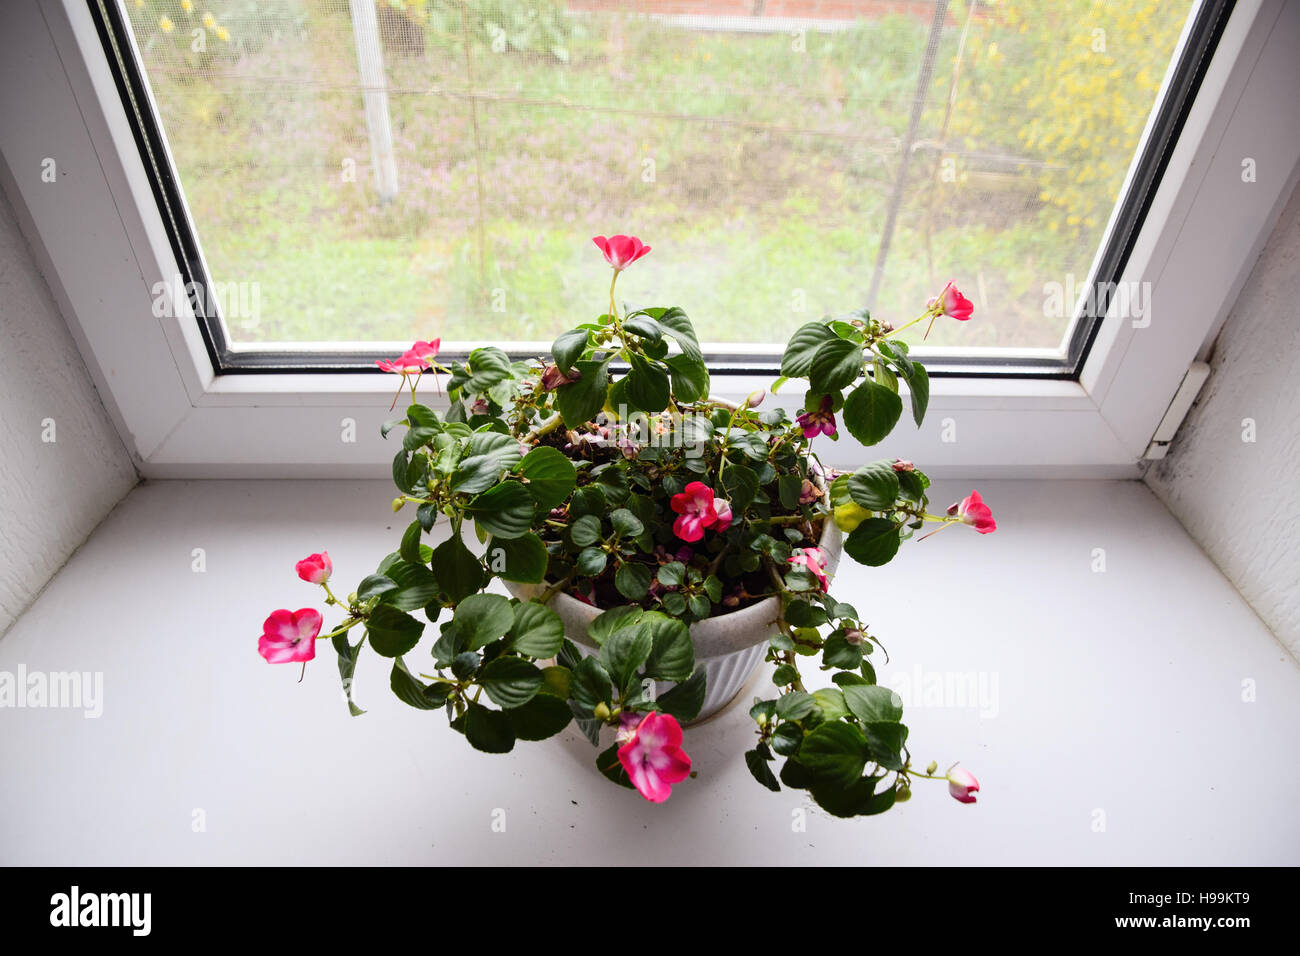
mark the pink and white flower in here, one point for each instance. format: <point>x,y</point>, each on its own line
<point>973,511</point>
<point>653,757</point>
<point>819,422</point>
<point>290,635</point>
<point>414,360</point>
<point>621,251</point>
<point>813,560</point>
<point>723,507</point>
<point>952,303</point>
<point>962,785</point>
<point>696,511</point>
<point>315,568</point>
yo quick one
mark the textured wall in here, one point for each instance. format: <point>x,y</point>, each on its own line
<point>52,493</point>
<point>1240,499</point>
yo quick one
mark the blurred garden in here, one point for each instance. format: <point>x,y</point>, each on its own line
<point>757,158</point>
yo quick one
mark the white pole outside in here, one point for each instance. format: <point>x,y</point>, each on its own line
<point>370,57</point>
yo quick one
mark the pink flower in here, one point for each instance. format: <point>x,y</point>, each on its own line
<point>973,511</point>
<point>723,507</point>
<point>315,568</point>
<point>553,378</point>
<point>820,422</point>
<point>902,464</point>
<point>621,251</point>
<point>653,756</point>
<point>413,361</point>
<point>962,785</point>
<point>809,492</point>
<point>480,407</point>
<point>696,510</point>
<point>290,636</point>
<point>952,303</point>
<point>814,561</point>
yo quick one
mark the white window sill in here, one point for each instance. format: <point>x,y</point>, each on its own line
<point>1118,692</point>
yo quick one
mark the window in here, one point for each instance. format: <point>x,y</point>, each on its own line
<point>1201,190</point>
<point>367,172</point>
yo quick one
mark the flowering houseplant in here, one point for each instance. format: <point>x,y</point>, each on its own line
<point>634,493</point>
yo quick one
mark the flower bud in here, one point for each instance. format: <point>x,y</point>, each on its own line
<point>602,711</point>
<point>854,636</point>
<point>932,767</point>
<point>755,399</point>
<point>397,505</point>
<point>352,598</point>
<point>903,795</point>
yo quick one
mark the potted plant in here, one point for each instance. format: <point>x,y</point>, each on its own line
<point>659,546</point>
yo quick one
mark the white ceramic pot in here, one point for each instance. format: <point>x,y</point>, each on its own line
<point>730,647</point>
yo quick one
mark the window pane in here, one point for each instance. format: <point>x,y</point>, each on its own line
<point>443,174</point>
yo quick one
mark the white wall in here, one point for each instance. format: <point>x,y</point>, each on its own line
<point>52,494</point>
<point>1240,499</point>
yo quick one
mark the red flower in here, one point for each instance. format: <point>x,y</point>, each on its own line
<point>315,568</point>
<point>820,422</point>
<point>621,251</point>
<point>414,360</point>
<point>290,636</point>
<point>973,511</point>
<point>952,303</point>
<point>553,378</point>
<point>653,756</point>
<point>696,510</point>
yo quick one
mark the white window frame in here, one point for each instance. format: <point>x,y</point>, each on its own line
<point>99,237</point>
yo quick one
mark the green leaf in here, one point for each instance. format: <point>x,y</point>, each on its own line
<point>488,366</point>
<point>568,348</point>
<point>647,385</point>
<point>632,580</point>
<point>685,699</point>
<point>476,473</point>
<point>373,585</point>
<point>457,569</point>
<point>741,484</point>
<point>873,543</point>
<point>885,740</point>
<point>834,753</point>
<point>615,619</point>
<point>834,366</point>
<point>643,326</point>
<point>919,386</point>
<point>787,739</point>
<point>537,632</point>
<point>542,717</point>
<point>795,705</point>
<point>414,692</point>
<point>803,614</point>
<point>675,323</point>
<point>347,667</point>
<point>488,730</point>
<point>590,685</point>
<point>392,632</point>
<point>550,476</point>
<point>690,377</point>
<point>585,530</point>
<point>579,402</point>
<point>510,681</point>
<point>401,461</point>
<point>626,523</point>
<point>830,701</point>
<point>416,585</point>
<point>623,654</point>
<point>852,800</point>
<point>870,412</point>
<point>671,574</point>
<point>518,559</point>
<point>871,703</point>
<point>874,486</point>
<point>505,511</point>
<point>838,652</point>
<point>410,547</point>
<point>591,562</point>
<point>790,487</point>
<point>802,347</point>
<point>756,760</point>
<point>608,764</point>
<point>482,618</point>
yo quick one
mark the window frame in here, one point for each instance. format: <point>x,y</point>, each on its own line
<point>181,417</point>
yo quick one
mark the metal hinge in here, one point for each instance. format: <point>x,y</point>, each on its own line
<point>1188,389</point>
